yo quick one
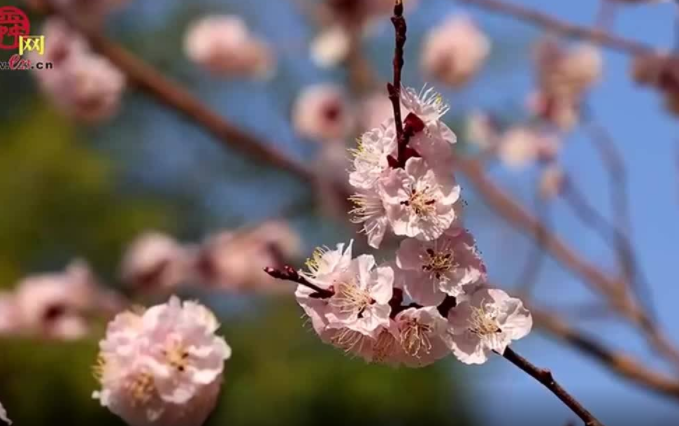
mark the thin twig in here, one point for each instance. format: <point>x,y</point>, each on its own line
<point>546,21</point>
<point>288,273</point>
<point>401,28</point>
<point>547,379</point>
<point>528,278</point>
<point>619,363</point>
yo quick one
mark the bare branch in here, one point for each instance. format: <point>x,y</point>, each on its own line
<point>547,379</point>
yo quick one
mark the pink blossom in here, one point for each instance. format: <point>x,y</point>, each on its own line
<point>454,51</point>
<point>447,265</point>
<point>417,205</point>
<point>155,262</point>
<point>369,212</point>
<point>235,260</point>
<point>331,46</point>
<point>224,45</point>
<point>421,336</point>
<point>82,84</point>
<point>481,130</point>
<point>321,112</point>
<point>521,146</point>
<point>489,320</point>
<point>358,294</point>
<point>54,305</point>
<point>370,157</point>
<point>163,366</point>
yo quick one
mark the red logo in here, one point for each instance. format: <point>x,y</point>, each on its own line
<point>13,24</point>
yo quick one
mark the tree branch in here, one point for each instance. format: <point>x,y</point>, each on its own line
<point>546,21</point>
<point>545,377</point>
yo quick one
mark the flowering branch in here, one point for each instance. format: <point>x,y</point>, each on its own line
<point>545,377</point>
<point>289,273</point>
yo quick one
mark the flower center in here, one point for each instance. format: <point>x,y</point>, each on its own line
<point>140,387</point>
<point>483,323</point>
<point>421,201</point>
<point>350,298</point>
<point>314,262</point>
<point>438,263</point>
<point>177,356</point>
<point>415,338</point>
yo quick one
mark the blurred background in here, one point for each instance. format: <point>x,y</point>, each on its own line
<point>71,190</point>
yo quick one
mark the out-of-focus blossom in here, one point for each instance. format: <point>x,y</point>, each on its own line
<point>3,415</point>
<point>355,13</point>
<point>321,112</point>
<point>551,181</point>
<point>488,321</point>
<point>373,111</point>
<point>93,10</point>
<point>564,77</point>
<point>155,262</point>
<point>224,45</point>
<point>455,51</point>
<point>163,366</point>
<point>55,305</point>
<point>82,84</point>
<point>521,146</point>
<point>235,260</point>
<point>448,265</point>
<point>331,47</point>
<point>10,320</point>
<point>481,130</point>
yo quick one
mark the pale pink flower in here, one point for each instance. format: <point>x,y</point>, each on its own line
<point>163,366</point>
<point>447,265</point>
<point>235,260</point>
<point>421,336</point>
<point>427,104</point>
<point>564,78</point>
<point>417,205</point>
<point>82,84</point>
<point>357,299</point>
<point>481,131</point>
<point>370,156</point>
<point>3,415</point>
<point>224,45</point>
<point>488,321</point>
<point>370,213</point>
<point>454,51</point>
<point>155,262</point>
<point>521,146</point>
<point>361,295</point>
<point>54,305</point>
<point>322,113</point>
<point>331,47</point>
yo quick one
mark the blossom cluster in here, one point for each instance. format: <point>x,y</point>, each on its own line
<point>433,299</point>
<point>82,84</point>
<point>163,365</point>
<point>227,260</point>
<point>56,305</point>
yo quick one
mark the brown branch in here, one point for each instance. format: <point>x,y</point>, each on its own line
<point>394,89</point>
<point>288,273</point>
<point>547,379</point>
<point>619,363</point>
<point>546,21</point>
<point>167,92</point>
